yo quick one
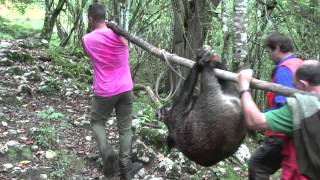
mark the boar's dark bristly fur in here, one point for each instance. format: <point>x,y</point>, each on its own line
<point>209,127</point>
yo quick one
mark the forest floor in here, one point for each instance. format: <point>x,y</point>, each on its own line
<point>45,134</point>
<point>44,121</point>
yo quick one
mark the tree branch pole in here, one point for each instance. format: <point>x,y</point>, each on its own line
<point>226,75</point>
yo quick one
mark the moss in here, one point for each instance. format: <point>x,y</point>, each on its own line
<point>66,74</point>
<point>30,44</point>
<point>20,153</point>
<point>16,71</point>
<point>231,174</point>
<point>9,100</point>
<point>3,117</point>
<point>20,56</point>
<point>34,76</point>
<point>66,165</point>
<point>6,62</point>
<point>12,154</point>
<point>26,153</point>
<point>175,172</point>
<point>50,87</point>
<point>154,137</point>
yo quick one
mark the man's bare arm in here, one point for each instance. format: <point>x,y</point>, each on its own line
<point>255,120</point>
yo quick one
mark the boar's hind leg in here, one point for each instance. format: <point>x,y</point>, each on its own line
<point>186,99</point>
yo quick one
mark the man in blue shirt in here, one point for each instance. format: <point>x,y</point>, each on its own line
<point>299,119</point>
<point>267,158</point>
<point>283,74</point>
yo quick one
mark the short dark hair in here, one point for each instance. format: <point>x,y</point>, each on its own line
<point>97,12</point>
<point>310,73</point>
<point>280,40</point>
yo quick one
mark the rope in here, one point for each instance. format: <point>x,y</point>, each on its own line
<point>173,90</point>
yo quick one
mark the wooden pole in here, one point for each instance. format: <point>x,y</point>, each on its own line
<point>226,75</point>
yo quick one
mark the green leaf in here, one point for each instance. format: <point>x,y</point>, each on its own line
<point>55,115</point>
<point>42,115</point>
<point>50,154</point>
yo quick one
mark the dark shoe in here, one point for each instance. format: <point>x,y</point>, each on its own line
<point>136,166</point>
<point>111,166</point>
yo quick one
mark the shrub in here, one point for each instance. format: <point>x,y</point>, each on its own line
<point>47,135</point>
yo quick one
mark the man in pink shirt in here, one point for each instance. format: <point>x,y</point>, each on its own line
<point>112,88</point>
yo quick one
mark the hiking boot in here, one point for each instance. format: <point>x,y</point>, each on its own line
<point>136,166</point>
<point>111,166</point>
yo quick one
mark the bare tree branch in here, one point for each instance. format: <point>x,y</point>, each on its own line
<point>226,75</point>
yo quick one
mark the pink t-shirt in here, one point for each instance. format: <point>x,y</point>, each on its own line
<point>109,56</point>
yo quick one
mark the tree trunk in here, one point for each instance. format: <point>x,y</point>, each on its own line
<point>62,34</point>
<point>125,12</point>
<point>240,23</point>
<point>76,19</point>
<point>191,21</point>
<point>48,12</point>
<point>225,30</point>
<point>256,51</point>
<point>80,27</point>
<point>119,11</point>
<point>116,11</point>
<point>110,15</point>
<point>51,18</point>
<point>190,26</point>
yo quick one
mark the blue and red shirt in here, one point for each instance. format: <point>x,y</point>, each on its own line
<point>282,74</point>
